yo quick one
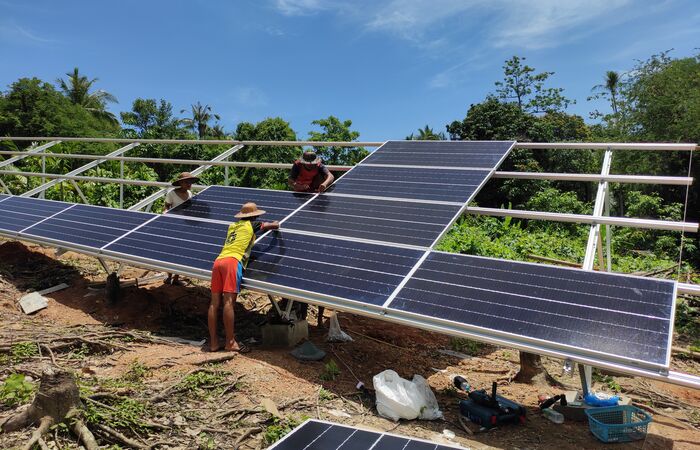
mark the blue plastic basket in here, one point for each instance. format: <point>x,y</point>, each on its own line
<point>618,423</point>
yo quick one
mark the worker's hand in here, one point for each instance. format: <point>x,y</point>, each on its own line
<point>300,187</point>
<point>322,188</point>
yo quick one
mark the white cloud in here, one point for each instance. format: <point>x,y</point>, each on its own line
<point>251,97</point>
<point>300,7</point>
<point>16,33</point>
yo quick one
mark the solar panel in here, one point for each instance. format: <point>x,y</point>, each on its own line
<point>449,154</point>
<point>401,182</point>
<point>190,244</point>
<point>321,435</point>
<point>223,202</point>
<point>346,270</point>
<point>400,222</point>
<point>595,313</point>
<point>3,197</point>
<point>19,213</point>
<point>86,225</point>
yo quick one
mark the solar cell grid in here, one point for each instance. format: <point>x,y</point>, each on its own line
<point>223,202</point>
<point>472,154</point>
<point>3,197</point>
<point>365,273</point>
<point>188,243</point>
<point>86,225</point>
<point>613,315</point>
<point>318,435</point>
<point>19,213</point>
<point>399,182</point>
<point>405,223</point>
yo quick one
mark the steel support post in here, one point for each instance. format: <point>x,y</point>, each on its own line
<point>4,186</point>
<point>121,185</point>
<point>79,191</point>
<point>43,170</point>
<point>595,242</point>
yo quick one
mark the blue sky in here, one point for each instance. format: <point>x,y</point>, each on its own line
<point>389,66</point>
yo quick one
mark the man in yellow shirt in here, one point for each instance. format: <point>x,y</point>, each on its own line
<point>227,273</point>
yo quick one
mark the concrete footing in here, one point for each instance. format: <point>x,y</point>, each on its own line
<point>283,335</point>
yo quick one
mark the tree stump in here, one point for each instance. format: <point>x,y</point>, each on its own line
<point>57,398</point>
<point>532,371</point>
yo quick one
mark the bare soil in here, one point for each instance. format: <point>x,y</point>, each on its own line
<point>193,418</point>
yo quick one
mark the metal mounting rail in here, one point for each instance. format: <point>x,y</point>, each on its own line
<point>649,224</point>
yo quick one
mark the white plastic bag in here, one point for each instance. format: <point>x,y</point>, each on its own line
<point>398,398</point>
<point>335,334</point>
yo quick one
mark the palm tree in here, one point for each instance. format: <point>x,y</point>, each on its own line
<point>427,134</point>
<point>217,131</point>
<point>201,116</point>
<point>77,88</point>
<point>612,82</point>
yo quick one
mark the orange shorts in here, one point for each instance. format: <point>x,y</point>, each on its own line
<point>226,276</point>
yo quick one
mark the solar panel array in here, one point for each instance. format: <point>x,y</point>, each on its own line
<point>373,254</point>
<point>320,435</point>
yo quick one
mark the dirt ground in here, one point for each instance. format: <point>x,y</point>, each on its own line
<point>225,414</point>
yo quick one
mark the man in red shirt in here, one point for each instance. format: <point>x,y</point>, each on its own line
<point>309,174</point>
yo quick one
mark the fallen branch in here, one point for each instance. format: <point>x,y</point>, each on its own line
<point>220,359</point>
<point>244,436</point>
<point>115,435</point>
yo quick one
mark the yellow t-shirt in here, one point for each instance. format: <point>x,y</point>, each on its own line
<point>239,240</point>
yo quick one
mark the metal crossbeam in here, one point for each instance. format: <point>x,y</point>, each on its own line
<point>29,152</point>
<point>78,171</point>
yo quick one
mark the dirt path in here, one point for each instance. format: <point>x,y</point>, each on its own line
<point>216,405</point>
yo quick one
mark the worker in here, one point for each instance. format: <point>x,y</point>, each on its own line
<point>309,174</point>
<point>174,198</point>
<point>227,273</point>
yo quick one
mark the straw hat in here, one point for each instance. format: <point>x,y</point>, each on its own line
<point>185,176</point>
<point>249,209</point>
<point>310,157</point>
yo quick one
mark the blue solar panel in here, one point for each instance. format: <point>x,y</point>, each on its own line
<point>451,154</point>
<point>621,316</point>
<point>318,435</point>
<point>89,226</point>
<point>365,273</point>
<point>400,222</point>
<point>223,202</point>
<point>400,182</point>
<point>19,213</point>
<point>3,197</point>
<point>173,240</point>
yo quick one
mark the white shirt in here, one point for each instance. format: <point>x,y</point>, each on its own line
<point>172,199</point>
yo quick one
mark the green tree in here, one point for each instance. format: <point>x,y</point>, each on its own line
<point>270,129</point>
<point>527,89</point>
<point>77,88</point>
<point>201,116</point>
<point>32,107</point>
<point>335,130</point>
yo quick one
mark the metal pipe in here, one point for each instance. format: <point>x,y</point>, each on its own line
<point>689,289</point>
<point>524,145</point>
<point>650,224</point>
<point>29,152</point>
<point>633,179</point>
<point>595,178</point>
<point>202,142</point>
<point>193,162</point>
<point>605,146</point>
<point>594,233</point>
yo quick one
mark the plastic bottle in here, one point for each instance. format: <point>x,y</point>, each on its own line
<point>553,416</point>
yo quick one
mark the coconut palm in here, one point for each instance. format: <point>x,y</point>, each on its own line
<point>426,134</point>
<point>201,116</point>
<point>77,88</point>
<point>612,82</point>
